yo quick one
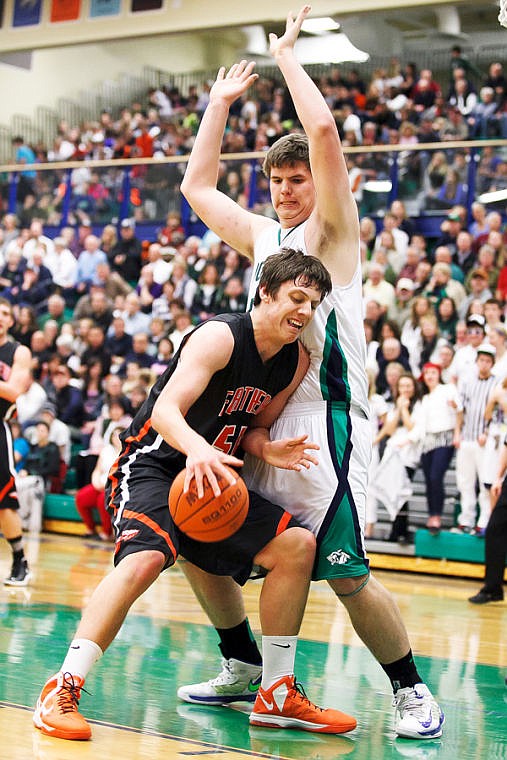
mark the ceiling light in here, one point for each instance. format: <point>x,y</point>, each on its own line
<point>328,48</point>
<point>319,25</point>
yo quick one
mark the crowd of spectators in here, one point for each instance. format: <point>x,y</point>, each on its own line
<point>102,317</point>
<point>104,313</point>
<point>398,105</point>
<point>435,319</point>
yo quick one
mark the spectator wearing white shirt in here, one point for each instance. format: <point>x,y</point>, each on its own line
<point>376,288</point>
<point>36,237</point>
<point>378,412</point>
<point>30,403</point>
<point>464,360</point>
<point>159,98</point>
<point>403,451</point>
<point>62,264</point>
<point>401,239</point>
<point>351,123</point>
<point>182,326</point>
<point>438,427</point>
<point>463,98</point>
<point>161,269</point>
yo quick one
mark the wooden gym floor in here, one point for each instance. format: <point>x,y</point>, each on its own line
<point>461,650</point>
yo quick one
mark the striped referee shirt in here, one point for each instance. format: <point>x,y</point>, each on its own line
<point>474,395</point>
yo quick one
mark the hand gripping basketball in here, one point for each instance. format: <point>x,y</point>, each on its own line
<point>209,518</point>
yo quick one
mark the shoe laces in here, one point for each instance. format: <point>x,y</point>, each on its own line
<point>299,689</point>
<point>412,702</point>
<point>69,694</point>
<point>226,676</point>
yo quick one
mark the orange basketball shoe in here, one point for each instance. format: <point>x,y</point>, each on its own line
<point>56,713</point>
<point>285,705</point>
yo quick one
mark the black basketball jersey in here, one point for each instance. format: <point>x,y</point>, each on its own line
<point>7,351</point>
<point>225,409</point>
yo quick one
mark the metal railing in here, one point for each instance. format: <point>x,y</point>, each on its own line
<point>106,192</point>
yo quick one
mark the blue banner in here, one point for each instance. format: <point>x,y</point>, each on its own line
<point>26,12</point>
<point>104,8</point>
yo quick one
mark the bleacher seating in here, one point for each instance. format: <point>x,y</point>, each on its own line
<point>418,512</point>
<point>60,516</point>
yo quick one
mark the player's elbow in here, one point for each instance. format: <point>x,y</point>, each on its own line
<point>324,126</point>
<point>185,187</point>
<point>157,417</point>
<point>11,393</point>
<point>192,184</point>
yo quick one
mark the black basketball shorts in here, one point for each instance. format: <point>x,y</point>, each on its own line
<point>138,504</point>
<point>8,497</point>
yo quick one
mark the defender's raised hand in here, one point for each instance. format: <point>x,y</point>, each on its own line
<point>292,29</point>
<point>231,85</point>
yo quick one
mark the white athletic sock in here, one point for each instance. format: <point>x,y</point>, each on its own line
<point>81,656</point>
<point>278,655</point>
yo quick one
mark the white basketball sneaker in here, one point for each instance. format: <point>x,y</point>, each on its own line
<point>238,682</point>
<point>418,715</point>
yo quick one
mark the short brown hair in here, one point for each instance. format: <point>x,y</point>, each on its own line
<point>287,151</point>
<point>290,265</point>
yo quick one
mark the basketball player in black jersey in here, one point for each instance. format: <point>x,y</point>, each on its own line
<point>219,384</point>
<point>14,378</point>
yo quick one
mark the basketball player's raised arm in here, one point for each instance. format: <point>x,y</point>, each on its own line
<point>333,228</point>
<point>286,453</point>
<point>207,351</point>
<point>220,213</point>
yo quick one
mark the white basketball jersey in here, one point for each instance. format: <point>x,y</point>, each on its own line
<point>334,338</point>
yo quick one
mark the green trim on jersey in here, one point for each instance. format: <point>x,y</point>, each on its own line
<point>337,555</point>
<point>337,552</point>
<point>331,347</point>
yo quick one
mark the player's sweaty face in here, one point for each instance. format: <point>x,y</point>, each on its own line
<point>292,193</point>
<point>293,308</point>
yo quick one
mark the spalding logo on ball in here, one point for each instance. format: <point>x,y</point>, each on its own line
<point>209,518</point>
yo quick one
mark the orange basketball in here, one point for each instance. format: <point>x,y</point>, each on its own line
<point>210,518</point>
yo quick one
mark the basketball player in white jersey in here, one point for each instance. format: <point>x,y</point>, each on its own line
<point>311,195</point>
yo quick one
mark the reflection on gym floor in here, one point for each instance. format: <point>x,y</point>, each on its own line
<point>166,641</point>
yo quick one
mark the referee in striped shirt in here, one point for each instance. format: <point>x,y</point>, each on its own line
<point>470,443</point>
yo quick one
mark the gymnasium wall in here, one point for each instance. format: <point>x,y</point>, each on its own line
<point>63,72</point>
<point>61,22</point>
<point>43,62</point>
